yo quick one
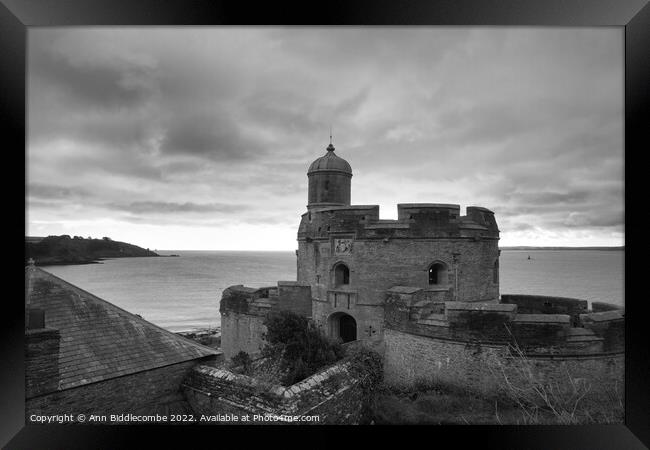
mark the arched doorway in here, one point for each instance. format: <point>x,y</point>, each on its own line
<point>343,326</point>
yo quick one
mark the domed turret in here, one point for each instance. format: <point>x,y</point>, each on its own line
<point>329,181</point>
<point>330,162</point>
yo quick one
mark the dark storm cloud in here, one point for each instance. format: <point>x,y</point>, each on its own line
<point>173,208</point>
<point>89,83</point>
<point>299,113</point>
<point>214,136</point>
<point>187,123</point>
<point>551,198</point>
<point>54,192</point>
<point>595,219</point>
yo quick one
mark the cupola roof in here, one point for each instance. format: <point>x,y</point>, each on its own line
<point>330,162</point>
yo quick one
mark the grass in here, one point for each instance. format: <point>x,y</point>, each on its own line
<point>525,397</point>
<point>564,399</point>
<point>431,404</point>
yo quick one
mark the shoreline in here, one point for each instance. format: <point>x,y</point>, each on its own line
<point>210,337</point>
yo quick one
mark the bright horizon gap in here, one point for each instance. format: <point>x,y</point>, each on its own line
<point>136,241</point>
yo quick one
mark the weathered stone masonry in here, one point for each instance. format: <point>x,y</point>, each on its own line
<point>470,345</point>
<point>330,394</point>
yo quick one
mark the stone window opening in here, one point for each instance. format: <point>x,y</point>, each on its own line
<point>495,273</point>
<point>437,274</point>
<point>341,275</point>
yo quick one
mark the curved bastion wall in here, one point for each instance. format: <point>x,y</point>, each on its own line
<point>476,345</point>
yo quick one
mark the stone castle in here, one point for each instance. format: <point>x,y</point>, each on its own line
<point>424,290</point>
<point>349,258</point>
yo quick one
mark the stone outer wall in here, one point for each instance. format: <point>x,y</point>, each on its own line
<point>544,304</point>
<point>376,266</point>
<point>332,394</point>
<point>241,332</point>
<point>295,297</point>
<point>139,393</point>
<point>411,359</point>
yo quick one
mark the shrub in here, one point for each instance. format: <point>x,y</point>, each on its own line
<point>243,360</point>
<point>366,365</point>
<point>299,345</point>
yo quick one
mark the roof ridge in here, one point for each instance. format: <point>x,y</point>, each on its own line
<point>121,310</point>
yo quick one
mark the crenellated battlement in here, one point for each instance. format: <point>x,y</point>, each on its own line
<point>287,295</point>
<point>414,221</point>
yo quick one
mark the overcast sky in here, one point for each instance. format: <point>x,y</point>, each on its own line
<point>200,138</point>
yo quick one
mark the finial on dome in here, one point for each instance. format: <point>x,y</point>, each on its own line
<point>330,148</point>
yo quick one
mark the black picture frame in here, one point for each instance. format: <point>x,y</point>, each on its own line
<point>16,16</point>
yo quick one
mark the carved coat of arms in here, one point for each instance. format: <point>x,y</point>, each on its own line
<point>342,246</point>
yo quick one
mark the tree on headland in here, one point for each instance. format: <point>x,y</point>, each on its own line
<point>65,250</point>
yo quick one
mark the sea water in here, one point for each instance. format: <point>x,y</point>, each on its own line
<point>182,293</point>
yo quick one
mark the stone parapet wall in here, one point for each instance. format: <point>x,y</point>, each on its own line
<point>544,304</point>
<point>503,323</point>
<point>415,221</point>
<point>241,332</point>
<point>608,325</point>
<point>332,394</point>
<point>410,359</point>
<point>245,300</point>
<point>244,310</point>
<point>603,306</point>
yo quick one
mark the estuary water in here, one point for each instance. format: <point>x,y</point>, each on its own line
<point>182,293</point>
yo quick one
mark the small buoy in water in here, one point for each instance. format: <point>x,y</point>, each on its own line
<point>528,256</point>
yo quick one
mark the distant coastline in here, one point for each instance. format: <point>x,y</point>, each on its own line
<point>66,250</point>
<point>562,248</point>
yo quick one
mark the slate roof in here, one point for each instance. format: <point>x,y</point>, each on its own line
<point>99,340</point>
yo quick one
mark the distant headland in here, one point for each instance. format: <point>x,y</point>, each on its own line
<point>58,250</point>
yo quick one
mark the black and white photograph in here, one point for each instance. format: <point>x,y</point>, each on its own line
<point>315,225</point>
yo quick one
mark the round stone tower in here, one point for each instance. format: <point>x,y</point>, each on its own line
<point>329,181</point>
